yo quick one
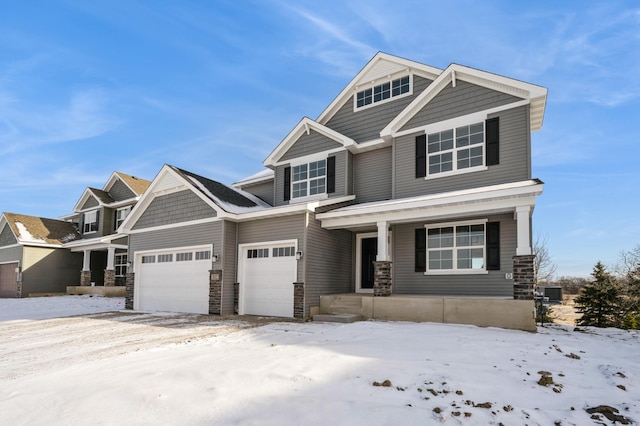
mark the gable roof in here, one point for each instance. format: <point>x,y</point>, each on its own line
<point>305,126</point>
<point>136,184</point>
<point>536,95</point>
<point>39,231</point>
<point>103,197</point>
<point>262,176</point>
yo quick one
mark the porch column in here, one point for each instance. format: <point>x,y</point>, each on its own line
<point>523,216</point>
<point>383,242</point>
<point>85,274</point>
<point>382,266</point>
<point>215,291</point>
<point>110,273</point>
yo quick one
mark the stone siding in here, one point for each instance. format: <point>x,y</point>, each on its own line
<point>215,291</point>
<point>382,278</point>
<point>298,300</point>
<point>523,277</point>
<point>128,298</point>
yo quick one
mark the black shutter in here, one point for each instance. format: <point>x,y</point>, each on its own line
<point>421,156</point>
<point>97,221</point>
<point>493,246</point>
<point>331,175</point>
<point>287,183</point>
<point>492,129</point>
<point>421,250</point>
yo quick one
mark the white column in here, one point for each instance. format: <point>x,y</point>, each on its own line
<point>383,242</point>
<point>86,261</point>
<point>111,258</point>
<point>522,216</point>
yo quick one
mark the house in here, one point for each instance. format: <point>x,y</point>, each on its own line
<point>409,197</point>
<point>32,257</point>
<point>97,215</point>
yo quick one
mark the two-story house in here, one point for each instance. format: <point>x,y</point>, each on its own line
<point>409,197</point>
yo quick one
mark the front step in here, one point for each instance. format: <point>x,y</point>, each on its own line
<point>342,318</point>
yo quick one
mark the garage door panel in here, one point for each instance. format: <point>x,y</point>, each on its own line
<point>8,280</point>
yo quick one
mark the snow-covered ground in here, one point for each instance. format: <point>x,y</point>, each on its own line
<point>139,368</point>
<point>52,307</point>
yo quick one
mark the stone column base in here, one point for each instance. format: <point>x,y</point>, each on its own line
<point>236,297</point>
<point>128,297</point>
<point>382,278</point>
<point>215,291</point>
<point>298,300</point>
<point>85,278</point>
<point>523,277</point>
<point>109,277</point>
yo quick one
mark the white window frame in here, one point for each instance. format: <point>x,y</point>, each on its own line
<point>372,86</point>
<point>93,214</point>
<point>454,249</point>
<point>119,215</point>
<point>120,262</point>
<point>456,150</point>
<point>307,161</point>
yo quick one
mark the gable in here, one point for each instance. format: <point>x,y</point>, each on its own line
<point>119,191</point>
<point>6,237</point>
<point>311,143</point>
<point>365,124</point>
<point>90,203</point>
<point>177,207</point>
<point>465,98</point>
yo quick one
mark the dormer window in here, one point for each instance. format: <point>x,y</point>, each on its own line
<point>308,179</point>
<point>382,92</point>
<point>121,215</point>
<point>90,222</point>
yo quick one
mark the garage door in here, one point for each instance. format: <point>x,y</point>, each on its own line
<point>8,280</point>
<point>267,277</point>
<point>173,281</point>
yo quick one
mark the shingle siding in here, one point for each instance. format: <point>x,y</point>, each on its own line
<point>514,161</point>
<point>119,191</point>
<point>366,124</point>
<point>406,281</point>
<point>6,237</point>
<point>312,143</point>
<point>372,175</point>
<point>174,208</point>
<point>90,203</point>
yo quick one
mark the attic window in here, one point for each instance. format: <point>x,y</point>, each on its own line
<point>383,92</point>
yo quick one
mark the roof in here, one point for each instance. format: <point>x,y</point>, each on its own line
<point>264,175</point>
<point>102,196</point>
<point>136,184</point>
<point>32,230</point>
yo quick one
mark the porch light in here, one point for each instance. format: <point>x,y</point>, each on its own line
<point>214,258</point>
<point>298,255</point>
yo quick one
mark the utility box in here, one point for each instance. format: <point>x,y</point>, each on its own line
<point>552,294</point>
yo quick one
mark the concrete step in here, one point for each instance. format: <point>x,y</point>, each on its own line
<point>342,318</point>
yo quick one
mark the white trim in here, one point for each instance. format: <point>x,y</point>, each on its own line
<point>456,223</point>
<point>522,216</point>
<point>454,248</point>
<point>10,261</point>
<point>174,225</point>
<point>318,156</point>
<point>387,79</point>
<point>12,246</point>
<point>456,172</point>
<point>175,249</point>
<point>359,238</point>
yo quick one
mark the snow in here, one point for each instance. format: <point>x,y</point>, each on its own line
<point>52,307</point>
<point>142,368</point>
<point>26,236</point>
<point>230,207</point>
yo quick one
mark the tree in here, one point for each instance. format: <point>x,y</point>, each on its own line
<point>599,301</point>
<point>628,270</point>
<point>571,285</point>
<point>543,267</point>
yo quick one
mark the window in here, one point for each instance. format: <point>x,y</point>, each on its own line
<point>164,258</point>
<point>121,215</point>
<point>90,222</point>
<point>121,264</point>
<point>255,253</point>
<point>309,179</point>
<point>203,255</point>
<point>149,259</point>
<point>456,149</point>
<point>284,251</point>
<point>383,92</point>
<point>456,248</point>
<point>184,257</point>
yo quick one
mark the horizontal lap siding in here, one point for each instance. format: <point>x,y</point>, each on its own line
<point>174,208</point>
<point>11,254</point>
<point>341,175</point>
<point>514,161</point>
<point>263,190</point>
<point>406,281</point>
<point>180,236</point>
<point>48,270</point>
<point>372,175</point>
<point>274,229</point>
<point>366,124</point>
<point>329,263</point>
<point>279,186</point>
<point>119,191</point>
<point>229,262</point>
<point>312,143</point>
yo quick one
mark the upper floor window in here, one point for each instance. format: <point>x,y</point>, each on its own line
<point>308,179</point>
<point>456,248</point>
<point>456,149</point>
<point>121,215</point>
<point>90,222</point>
<point>383,91</point>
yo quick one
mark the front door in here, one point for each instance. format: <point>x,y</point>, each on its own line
<point>368,250</point>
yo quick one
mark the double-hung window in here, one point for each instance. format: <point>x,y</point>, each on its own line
<point>382,92</point>
<point>120,264</point>
<point>90,222</point>
<point>456,248</point>
<point>456,149</point>
<point>121,215</point>
<point>308,179</point>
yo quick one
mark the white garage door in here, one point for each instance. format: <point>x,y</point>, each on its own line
<point>267,277</point>
<point>173,281</point>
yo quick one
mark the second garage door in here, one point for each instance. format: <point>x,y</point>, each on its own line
<point>8,280</point>
<point>173,281</point>
<point>267,276</point>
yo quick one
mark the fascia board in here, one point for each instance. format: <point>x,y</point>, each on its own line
<point>286,210</point>
<point>83,199</point>
<point>111,181</point>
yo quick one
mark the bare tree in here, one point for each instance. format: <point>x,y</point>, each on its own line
<point>543,267</point>
<point>628,261</point>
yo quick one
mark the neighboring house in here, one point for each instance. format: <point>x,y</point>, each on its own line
<point>32,257</point>
<point>98,214</point>
<point>414,183</point>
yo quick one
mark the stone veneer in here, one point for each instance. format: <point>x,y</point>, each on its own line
<point>298,300</point>
<point>215,291</point>
<point>85,278</point>
<point>109,277</point>
<point>236,296</point>
<point>523,277</point>
<point>382,278</point>
<point>128,295</point>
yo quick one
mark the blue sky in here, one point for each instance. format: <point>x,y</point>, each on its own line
<point>87,88</point>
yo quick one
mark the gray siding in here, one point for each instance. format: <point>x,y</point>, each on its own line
<point>229,265</point>
<point>263,190</point>
<point>328,257</point>
<point>6,237</point>
<point>350,172</point>
<point>463,99</point>
<point>279,186</point>
<point>514,161</point>
<point>312,143</point>
<point>180,236</point>
<point>11,254</point>
<point>90,203</point>
<point>406,281</point>
<point>275,229</point>
<point>341,174</point>
<point>366,124</point>
<point>119,191</point>
<point>174,208</point>
<point>372,175</point>
<point>105,224</point>
<point>47,270</point>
